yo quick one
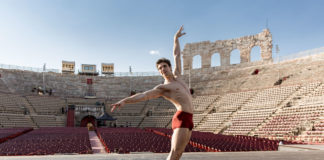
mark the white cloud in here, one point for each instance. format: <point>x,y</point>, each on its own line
<point>154,52</point>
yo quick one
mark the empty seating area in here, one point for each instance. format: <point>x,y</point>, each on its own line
<point>315,135</point>
<point>161,107</point>
<point>226,143</point>
<point>48,141</point>
<point>270,98</point>
<point>84,101</point>
<point>245,121</point>
<point>46,105</point>
<point>15,120</point>
<point>232,101</point>
<point>246,105</point>
<point>156,121</point>
<point>207,141</point>
<point>308,89</point>
<point>213,121</point>
<point>310,139</point>
<point>125,140</point>
<point>318,128</point>
<point>161,112</point>
<point>311,101</point>
<point>197,118</point>
<point>319,91</point>
<point>128,121</point>
<point>201,103</point>
<point>49,120</point>
<point>292,120</point>
<point>10,103</point>
<point>9,133</point>
<point>133,140</point>
<point>3,86</point>
<point>130,109</point>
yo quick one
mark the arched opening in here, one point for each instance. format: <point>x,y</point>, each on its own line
<point>196,62</point>
<point>88,119</point>
<point>235,57</point>
<point>255,54</point>
<point>215,60</point>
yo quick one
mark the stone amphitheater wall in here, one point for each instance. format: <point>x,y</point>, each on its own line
<point>22,82</point>
<point>214,80</point>
<point>206,49</point>
<point>239,78</point>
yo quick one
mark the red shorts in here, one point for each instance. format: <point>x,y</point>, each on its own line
<point>182,120</point>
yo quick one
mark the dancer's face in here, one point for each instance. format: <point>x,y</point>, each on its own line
<point>164,69</point>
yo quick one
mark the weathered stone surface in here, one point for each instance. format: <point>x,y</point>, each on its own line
<point>224,47</point>
<point>213,80</point>
<point>65,85</point>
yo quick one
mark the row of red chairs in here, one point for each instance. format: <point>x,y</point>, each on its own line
<point>52,140</point>
<point>125,140</point>
<point>227,143</point>
<point>10,133</point>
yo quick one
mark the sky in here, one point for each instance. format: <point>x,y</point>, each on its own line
<point>138,32</point>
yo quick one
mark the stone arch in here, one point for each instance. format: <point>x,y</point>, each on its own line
<point>255,54</point>
<point>235,56</point>
<point>196,62</point>
<point>215,60</point>
<point>88,119</point>
<point>225,47</point>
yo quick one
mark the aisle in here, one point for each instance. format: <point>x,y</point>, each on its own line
<point>96,145</point>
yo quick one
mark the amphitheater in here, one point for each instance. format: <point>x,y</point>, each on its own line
<point>265,109</point>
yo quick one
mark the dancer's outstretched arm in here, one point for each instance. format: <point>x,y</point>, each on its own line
<point>177,52</point>
<point>150,94</point>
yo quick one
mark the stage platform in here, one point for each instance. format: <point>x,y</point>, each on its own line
<point>286,152</point>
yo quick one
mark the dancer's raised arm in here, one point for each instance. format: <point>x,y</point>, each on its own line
<point>177,52</point>
<point>150,94</point>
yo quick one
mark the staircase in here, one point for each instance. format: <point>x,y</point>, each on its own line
<point>29,106</point>
<point>96,144</point>
<point>3,87</point>
<point>281,105</point>
<point>221,127</point>
<point>140,123</point>
<point>279,108</point>
<point>209,110</point>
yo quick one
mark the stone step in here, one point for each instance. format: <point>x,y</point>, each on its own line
<point>96,144</point>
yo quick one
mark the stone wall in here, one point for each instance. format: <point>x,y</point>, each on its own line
<point>224,47</point>
<point>214,80</point>
<point>221,80</point>
<point>22,82</point>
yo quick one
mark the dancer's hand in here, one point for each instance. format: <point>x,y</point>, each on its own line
<point>179,33</point>
<point>118,104</point>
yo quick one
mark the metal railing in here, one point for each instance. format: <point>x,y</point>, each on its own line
<point>133,74</point>
<point>138,74</point>
<point>6,66</point>
<point>115,74</point>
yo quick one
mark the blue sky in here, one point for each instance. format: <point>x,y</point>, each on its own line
<point>126,32</point>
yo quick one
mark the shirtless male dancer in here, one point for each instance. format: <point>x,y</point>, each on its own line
<point>176,91</point>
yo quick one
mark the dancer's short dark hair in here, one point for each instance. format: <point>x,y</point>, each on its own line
<point>161,60</point>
